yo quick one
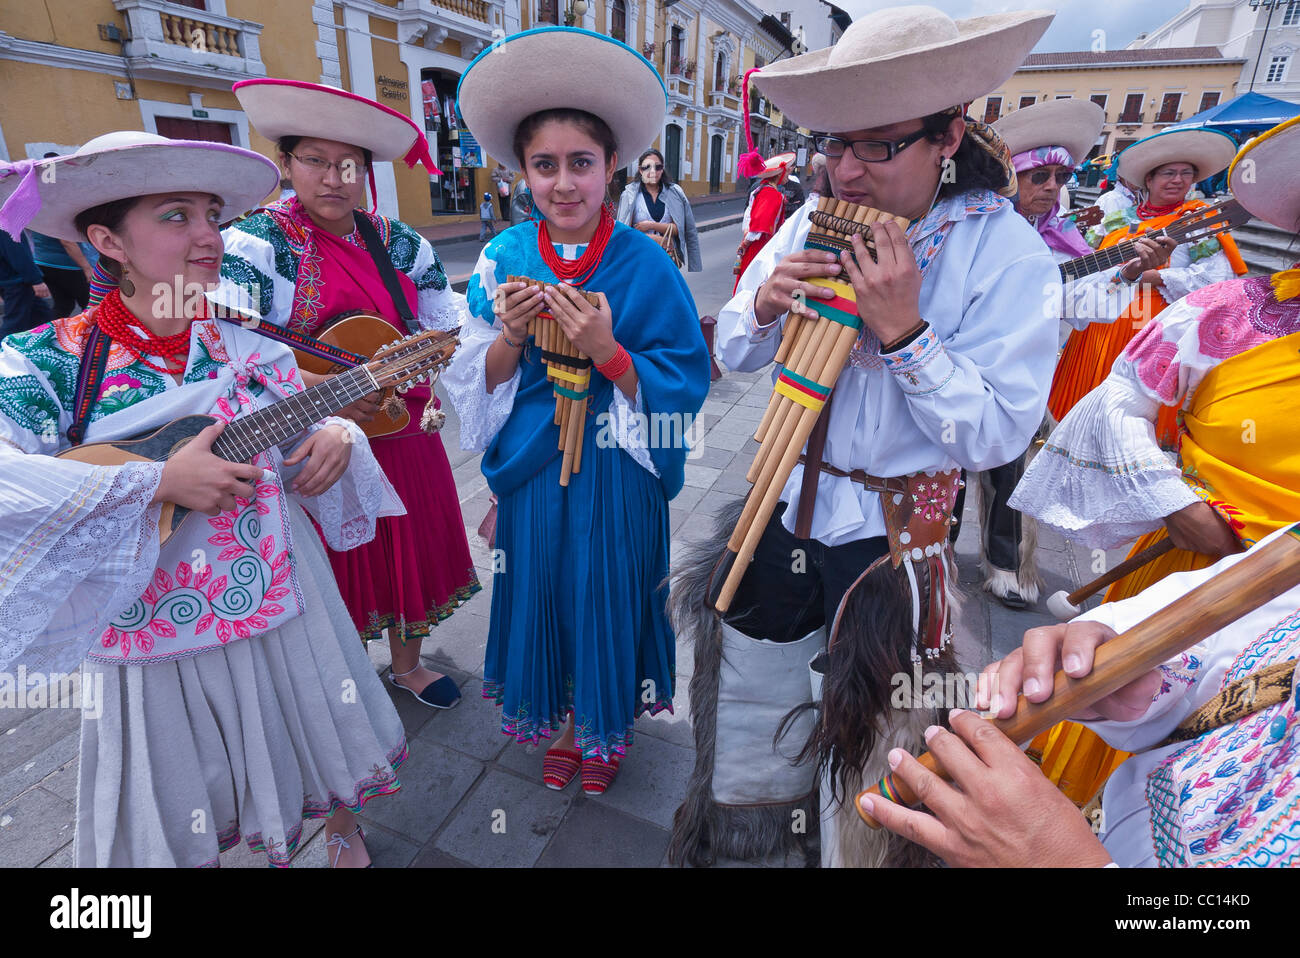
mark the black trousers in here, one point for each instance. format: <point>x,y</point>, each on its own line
<point>23,310</point>
<point>794,586</point>
<point>1001,524</point>
<point>70,289</point>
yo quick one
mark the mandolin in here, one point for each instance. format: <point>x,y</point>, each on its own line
<point>1088,216</point>
<point>403,362</point>
<point>362,334</point>
<point>1191,228</point>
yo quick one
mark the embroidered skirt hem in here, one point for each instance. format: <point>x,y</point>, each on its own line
<point>249,739</point>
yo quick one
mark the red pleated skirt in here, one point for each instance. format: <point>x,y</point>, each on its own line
<point>418,568</point>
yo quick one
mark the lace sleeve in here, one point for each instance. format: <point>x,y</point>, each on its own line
<point>1188,272</point>
<point>482,413</point>
<point>347,510</point>
<point>1102,478</point>
<point>78,543</point>
<point>441,307</point>
<point>628,425</point>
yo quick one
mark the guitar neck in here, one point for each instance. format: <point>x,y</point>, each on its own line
<point>244,438</point>
<point>1104,259</point>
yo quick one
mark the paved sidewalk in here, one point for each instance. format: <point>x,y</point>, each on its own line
<point>470,796</point>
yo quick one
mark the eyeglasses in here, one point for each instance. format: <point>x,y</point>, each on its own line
<point>1039,177</point>
<point>868,151</point>
<point>321,166</point>
<point>657,167</point>
<point>1186,173</point>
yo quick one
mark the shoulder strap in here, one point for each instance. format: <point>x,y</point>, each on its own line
<point>301,341</point>
<point>379,253</point>
<point>94,360</point>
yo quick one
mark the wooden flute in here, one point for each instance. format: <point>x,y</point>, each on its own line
<point>1211,606</point>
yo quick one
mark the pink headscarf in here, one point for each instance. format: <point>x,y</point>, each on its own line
<point>1057,232</point>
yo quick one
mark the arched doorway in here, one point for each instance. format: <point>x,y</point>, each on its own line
<point>673,151</point>
<point>715,163</point>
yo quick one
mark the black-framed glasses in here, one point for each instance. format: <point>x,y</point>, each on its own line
<point>657,167</point>
<point>321,166</point>
<point>868,151</point>
<point>1039,177</point>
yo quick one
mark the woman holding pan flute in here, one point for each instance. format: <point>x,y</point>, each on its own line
<point>1225,357</point>
<point>1214,776</point>
<point>579,644</point>
<point>949,370</point>
<point>318,255</point>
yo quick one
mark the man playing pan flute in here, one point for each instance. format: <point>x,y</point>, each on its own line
<point>950,370</point>
<point>1226,358</point>
<point>1214,780</point>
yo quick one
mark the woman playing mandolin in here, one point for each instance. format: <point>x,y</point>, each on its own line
<point>317,255</point>
<point>218,653</point>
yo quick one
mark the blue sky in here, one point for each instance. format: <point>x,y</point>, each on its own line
<point>1122,20</point>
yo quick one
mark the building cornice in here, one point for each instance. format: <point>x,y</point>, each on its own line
<point>1135,65</point>
<point>52,54</point>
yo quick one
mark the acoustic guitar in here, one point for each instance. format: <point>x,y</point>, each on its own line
<point>401,363</point>
<point>364,335</point>
<point>1190,228</point>
<point>1086,217</point>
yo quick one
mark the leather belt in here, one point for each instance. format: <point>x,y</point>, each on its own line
<point>895,484</point>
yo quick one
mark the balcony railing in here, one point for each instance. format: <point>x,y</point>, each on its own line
<point>725,99</point>
<point>1130,118</point>
<point>473,9</point>
<point>1168,117</point>
<point>173,44</point>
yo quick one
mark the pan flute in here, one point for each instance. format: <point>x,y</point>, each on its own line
<point>568,371</point>
<point>813,352</point>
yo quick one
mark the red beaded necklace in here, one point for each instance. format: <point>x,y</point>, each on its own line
<point>120,325</point>
<point>1146,211</point>
<point>576,271</point>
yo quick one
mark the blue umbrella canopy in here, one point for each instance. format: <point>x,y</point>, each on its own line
<point>1248,111</point>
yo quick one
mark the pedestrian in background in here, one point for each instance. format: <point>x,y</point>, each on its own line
<point>502,177</point>
<point>486,219</point>
<point>22,286</point>
<point>652,202</point>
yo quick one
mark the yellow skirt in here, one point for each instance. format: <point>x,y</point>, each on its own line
<point>1073,757</point>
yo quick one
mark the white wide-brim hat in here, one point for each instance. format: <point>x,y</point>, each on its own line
<point>549,68</point>
<point>776,165</point>
<point>1070,124</point>
<point>1208,150</point>
<point>278,108</point>
<point>1265,175</point>
<point>48,194</point>
<point>899,64</point>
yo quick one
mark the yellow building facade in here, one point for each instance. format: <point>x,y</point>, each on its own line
<point>1142,91</point>
<point>73,69</point>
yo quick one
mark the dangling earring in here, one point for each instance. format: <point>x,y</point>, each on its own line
<point>126,286</point>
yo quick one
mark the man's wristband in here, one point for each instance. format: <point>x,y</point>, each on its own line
<point>906,339</point>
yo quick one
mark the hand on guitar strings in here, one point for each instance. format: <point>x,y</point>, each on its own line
<point>888,289</point>
<point>1068,646</point>
<point>199,480</point>
<point>1000,811</point>
<point>1152,253</point>
<point>788,289</point>
<point>328,451</point>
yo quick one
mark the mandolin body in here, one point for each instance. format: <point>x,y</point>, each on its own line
<point>155,447</point>
<point>364,335</point>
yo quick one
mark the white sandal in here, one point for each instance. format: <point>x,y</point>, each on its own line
<point>340,841</point>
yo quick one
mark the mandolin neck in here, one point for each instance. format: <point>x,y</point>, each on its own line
<point>244,438</point>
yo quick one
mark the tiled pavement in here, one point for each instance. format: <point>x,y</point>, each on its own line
<point>470,796</point>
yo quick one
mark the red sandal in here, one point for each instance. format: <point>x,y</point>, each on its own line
<point>598,775</point>
<point>559,766</point>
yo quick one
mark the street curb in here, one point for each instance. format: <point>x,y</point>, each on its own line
<point>461,283</point>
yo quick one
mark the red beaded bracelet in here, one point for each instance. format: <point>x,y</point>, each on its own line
<point>618,364</point>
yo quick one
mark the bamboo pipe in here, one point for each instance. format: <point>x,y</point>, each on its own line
<point>834,362</point>
<point>1211,606</point>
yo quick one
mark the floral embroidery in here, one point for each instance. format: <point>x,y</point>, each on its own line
<point>1270,317</point>
<point>26,402</point>
<point>1224,332</point>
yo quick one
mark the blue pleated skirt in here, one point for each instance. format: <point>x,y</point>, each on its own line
<point>578,604</point>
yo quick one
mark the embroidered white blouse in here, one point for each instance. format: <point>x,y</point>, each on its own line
<point>1228,797</point>
<point>969,392</point>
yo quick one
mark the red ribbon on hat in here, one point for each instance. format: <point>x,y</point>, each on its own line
<point>419,153</point>
<point>749,164</point>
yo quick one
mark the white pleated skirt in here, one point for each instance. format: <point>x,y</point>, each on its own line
<point>189,756</point>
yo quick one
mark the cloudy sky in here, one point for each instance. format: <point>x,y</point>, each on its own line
<point>1122,20</point>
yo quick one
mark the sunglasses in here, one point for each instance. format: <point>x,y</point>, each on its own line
<point>1039,177</point>
<point>658,168</point>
